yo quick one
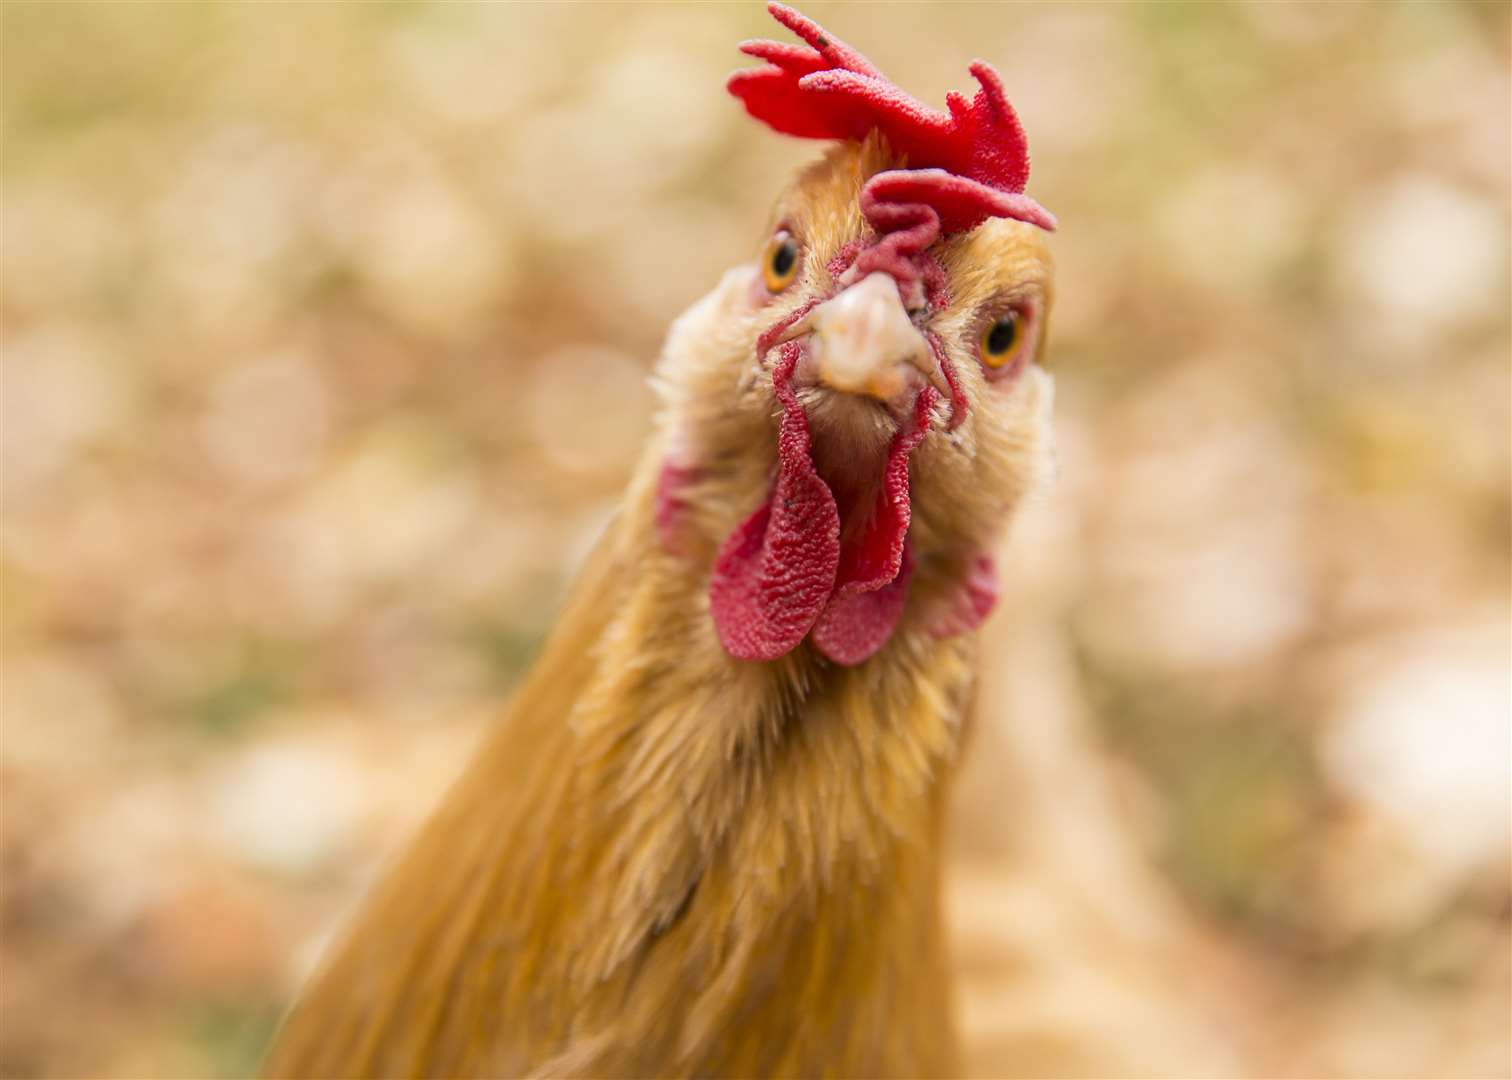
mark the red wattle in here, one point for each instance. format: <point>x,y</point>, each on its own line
<point>775,572</point>
<point>783,573</point>
<point>876,559</point>
<point>872,582</point>
<point>854,625</point>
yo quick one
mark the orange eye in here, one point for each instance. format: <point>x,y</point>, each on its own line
<point>779,265</point>
<point>1001,339</point>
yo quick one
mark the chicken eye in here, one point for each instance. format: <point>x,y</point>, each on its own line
<point>779,266</point>
<point>1001,338</point>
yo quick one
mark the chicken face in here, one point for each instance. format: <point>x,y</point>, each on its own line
<point>892,402</point>
<point>883,348</point>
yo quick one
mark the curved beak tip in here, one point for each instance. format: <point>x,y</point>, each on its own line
<point>865,342</point>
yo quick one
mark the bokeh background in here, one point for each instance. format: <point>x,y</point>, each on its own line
<point>326,331</point>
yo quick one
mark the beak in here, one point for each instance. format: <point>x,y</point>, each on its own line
<point>865,343</point>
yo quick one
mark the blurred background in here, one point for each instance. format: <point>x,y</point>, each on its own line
<point>326,331</point>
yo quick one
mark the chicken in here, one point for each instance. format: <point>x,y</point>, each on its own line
<point>705,840</point>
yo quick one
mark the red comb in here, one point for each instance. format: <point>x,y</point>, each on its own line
<point>969,163</point>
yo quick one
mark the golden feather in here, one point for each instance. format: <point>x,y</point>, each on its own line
<point>667,862</point>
